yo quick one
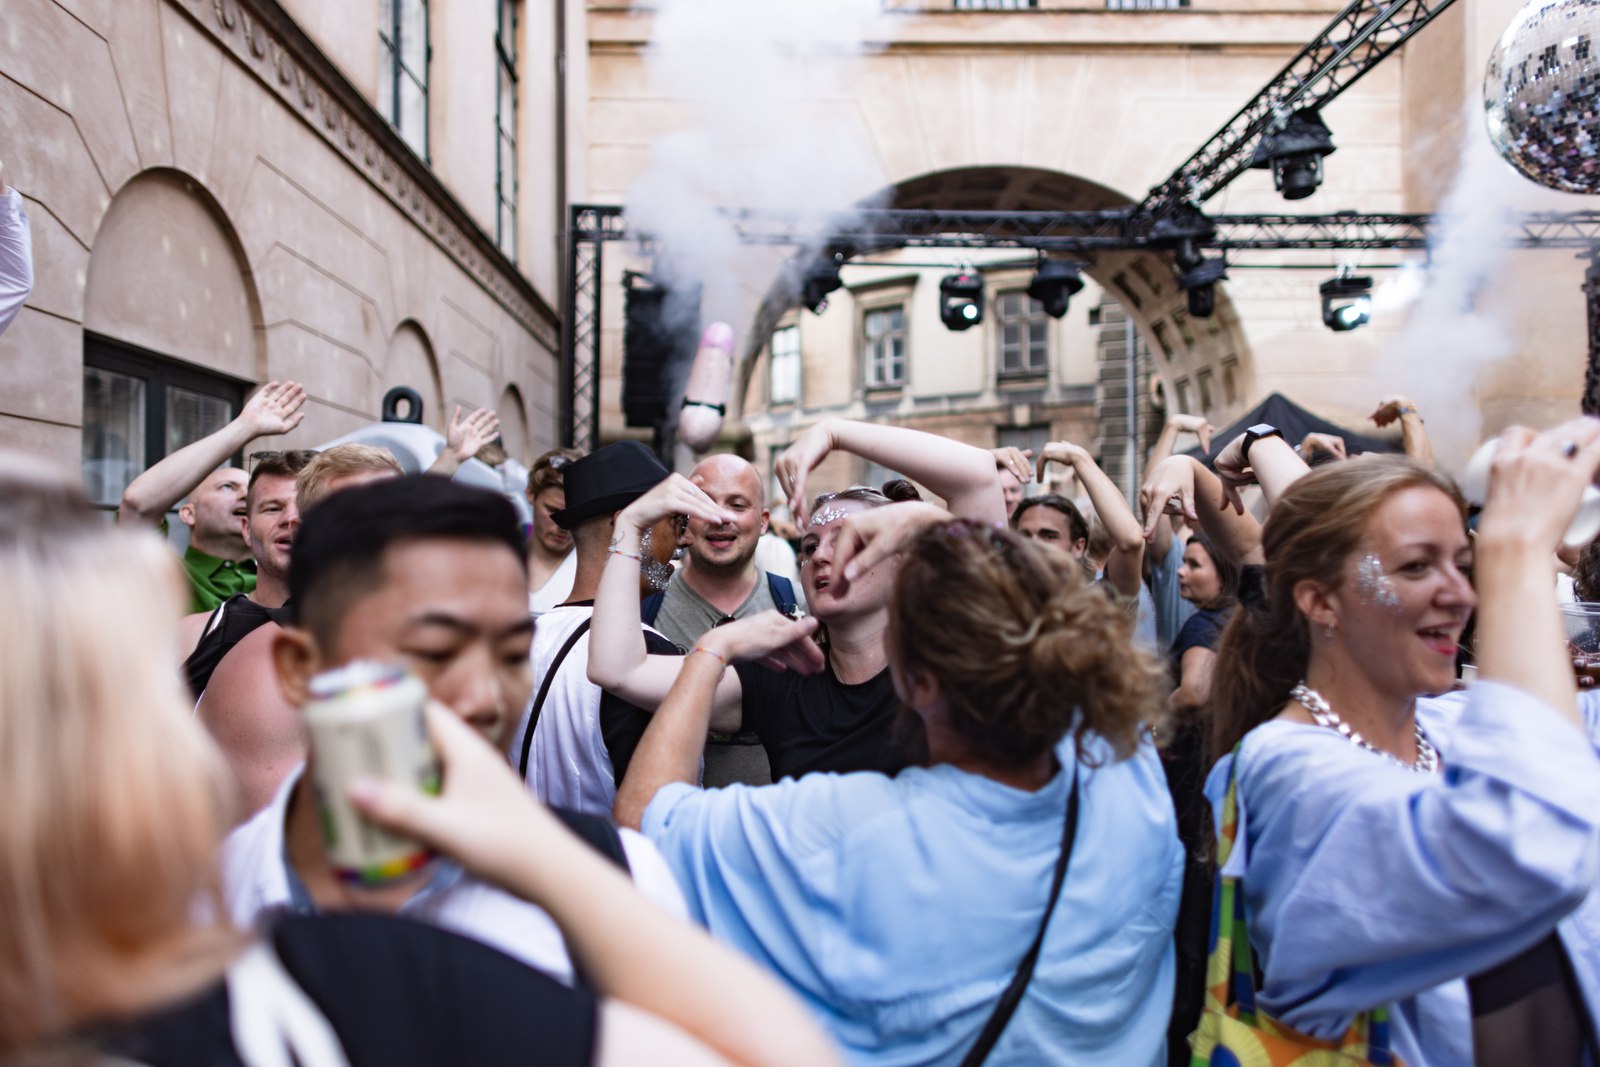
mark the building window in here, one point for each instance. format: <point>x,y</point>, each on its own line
<point>403,69</point>
<point>1024,332</point>
<point>505,120</point>
<point>884,346</point>
<point>1146,5</point>
<point>1230,381</point>
<point>783,382</point>
<point>996,5</point>
<point>1203,380</point>
<point>138,408</point>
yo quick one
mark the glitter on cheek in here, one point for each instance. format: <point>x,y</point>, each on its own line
<point>825,516</point>
<point>1374,586</point>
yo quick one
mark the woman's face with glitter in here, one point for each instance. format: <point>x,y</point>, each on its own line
<point>869,592</point>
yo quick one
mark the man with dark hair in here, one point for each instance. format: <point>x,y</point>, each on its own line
<point>574,743</point>
<point>428,573</point>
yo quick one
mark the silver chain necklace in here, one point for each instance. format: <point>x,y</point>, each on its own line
<point>1324,715</point>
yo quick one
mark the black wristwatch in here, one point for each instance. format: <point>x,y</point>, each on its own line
<point>1256,433</point>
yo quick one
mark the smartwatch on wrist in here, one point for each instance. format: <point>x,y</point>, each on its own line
<point>1256,433</point>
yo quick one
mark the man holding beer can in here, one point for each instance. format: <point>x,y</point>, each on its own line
<point>403,590</point>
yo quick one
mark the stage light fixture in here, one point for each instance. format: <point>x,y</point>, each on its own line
<point>821,278</point>
<point>1054,285</point>
<point>961,300</point>
<point>1200,284</point>
<point>1292,148</point>
<point>1346,302</point>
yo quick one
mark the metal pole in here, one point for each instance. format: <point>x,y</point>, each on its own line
<point>569,332</point>
<point>1591,374</point>
<point>1131,365</point>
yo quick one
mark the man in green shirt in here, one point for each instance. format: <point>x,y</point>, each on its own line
<point>217,560</point>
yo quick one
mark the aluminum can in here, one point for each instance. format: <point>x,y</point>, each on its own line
<point>366,721</point>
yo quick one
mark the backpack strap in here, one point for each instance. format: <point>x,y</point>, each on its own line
<point>782,591</point>
<point>598,832</point>
<point>544,691</point>
<point>1006,1006</point>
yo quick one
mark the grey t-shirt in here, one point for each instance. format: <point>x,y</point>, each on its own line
<point>684,615</point>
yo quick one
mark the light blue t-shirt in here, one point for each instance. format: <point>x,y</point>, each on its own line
<point>899,908</point>
<point>1368,884</point>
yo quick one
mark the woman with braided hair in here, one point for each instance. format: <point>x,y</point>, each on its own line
<point>899,908</point>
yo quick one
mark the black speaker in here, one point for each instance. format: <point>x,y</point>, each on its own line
<point>661,328</point>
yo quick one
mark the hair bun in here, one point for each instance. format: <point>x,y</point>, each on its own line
<point>899,489</point>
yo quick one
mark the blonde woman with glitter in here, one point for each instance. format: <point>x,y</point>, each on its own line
<point>1432,856</point>
<point>840,717</point>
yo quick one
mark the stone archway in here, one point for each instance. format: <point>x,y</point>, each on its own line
<point>410,362</point>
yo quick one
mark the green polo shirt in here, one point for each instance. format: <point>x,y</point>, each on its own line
<point>213,580</point>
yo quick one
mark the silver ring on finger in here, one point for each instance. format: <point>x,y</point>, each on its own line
<point>1569,449</point>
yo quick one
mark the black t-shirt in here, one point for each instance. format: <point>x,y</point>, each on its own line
<point>622,724</point>
<point>814,722</point>
<point>397,993</point>
<point>1203,629</point>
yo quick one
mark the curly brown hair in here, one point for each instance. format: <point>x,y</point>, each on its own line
<point>1023,647</point>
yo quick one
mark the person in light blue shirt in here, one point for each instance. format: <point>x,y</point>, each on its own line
<point>899,908</point>
<point>1438,856</point>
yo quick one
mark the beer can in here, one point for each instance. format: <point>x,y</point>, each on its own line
<point>365,721</point>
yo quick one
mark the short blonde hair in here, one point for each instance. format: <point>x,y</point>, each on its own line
<point>113,802</point>
<point>340,461</point>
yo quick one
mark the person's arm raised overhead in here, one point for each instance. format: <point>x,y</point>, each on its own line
<point>1263,458</point>
<point>1125,565</point>
<point>721,1007</point>
<point>967,478</point>
<point>1413,434</point>
<point>1185,486</point>
<point>276,408</point>
<point>465,435</point>
<point>1158,539</point>
<point>673,742</point>
<point>618,660</point>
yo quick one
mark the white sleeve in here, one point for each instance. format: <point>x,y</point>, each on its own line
<point>16,257</point>
<point>651,874</point>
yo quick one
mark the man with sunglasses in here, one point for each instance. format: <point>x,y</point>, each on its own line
<point>217,560</point>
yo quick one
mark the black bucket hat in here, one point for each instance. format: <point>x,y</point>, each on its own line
<point>607,481</point>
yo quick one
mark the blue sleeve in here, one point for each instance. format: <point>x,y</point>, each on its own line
<point>1366,885</point>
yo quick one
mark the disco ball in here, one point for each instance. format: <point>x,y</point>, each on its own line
<point>1541,94</point>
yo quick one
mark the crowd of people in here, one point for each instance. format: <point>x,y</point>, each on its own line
<point>982,765</point>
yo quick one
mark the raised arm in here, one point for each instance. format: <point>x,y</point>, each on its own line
<point>1186,487</point>
<point>1158,540</point>
<point>1125,565</point>
<point>966,477</point>
<point>465,435</point>
<point>633,952</point>
<point>275,409</point>
<point>1266,461</point>
<point>673,742</point>
<point>16,254</point>
<point>618,660</point>
<point>1413,434</point>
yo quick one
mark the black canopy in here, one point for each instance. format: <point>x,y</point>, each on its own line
<point>1295,422</point>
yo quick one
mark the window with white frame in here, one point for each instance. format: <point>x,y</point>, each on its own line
<point>883,349</point>
<point>403,73</point>
<point>505,120</point>
<point>783,381</point>
<point>1023,330</point>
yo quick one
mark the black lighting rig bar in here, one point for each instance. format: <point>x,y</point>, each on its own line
<point>1357,39</point>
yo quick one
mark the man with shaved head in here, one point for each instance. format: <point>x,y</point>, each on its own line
<point>719,580</point>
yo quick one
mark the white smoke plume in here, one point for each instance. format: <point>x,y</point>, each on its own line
<point>770,125</point>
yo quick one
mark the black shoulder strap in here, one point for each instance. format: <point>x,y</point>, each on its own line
<point>1007,1004</point>
<point>544,691</point>
<point>598,832</point>
<point>651,607</point>
<point>782,591</point>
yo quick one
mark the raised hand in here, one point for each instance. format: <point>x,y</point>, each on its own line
<point>674,495</point>
<point>797,462</point>
<point>1195,424</point>
<point>466,435</point>
<point>1390,408</point>
<point>1019,461</point>
<point>1168,489</point>
<point>867,538</point>
<point>770,637</point>
<point>1330,443</point>
<point>1536,483</point>
<point>1234,472</point>
<point>1062,452</point>
<point>276,408</point>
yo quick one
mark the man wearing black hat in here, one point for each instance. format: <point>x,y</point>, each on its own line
<point>574,741</point>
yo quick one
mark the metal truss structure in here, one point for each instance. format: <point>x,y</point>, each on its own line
<point>591,227</point>
<point>1358,39</point>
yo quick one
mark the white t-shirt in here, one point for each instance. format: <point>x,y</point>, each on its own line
<point>255,880</point>
<point>557,589</point>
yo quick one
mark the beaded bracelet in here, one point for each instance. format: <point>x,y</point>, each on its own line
<point>710,652</point>
<point>626,555</point>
